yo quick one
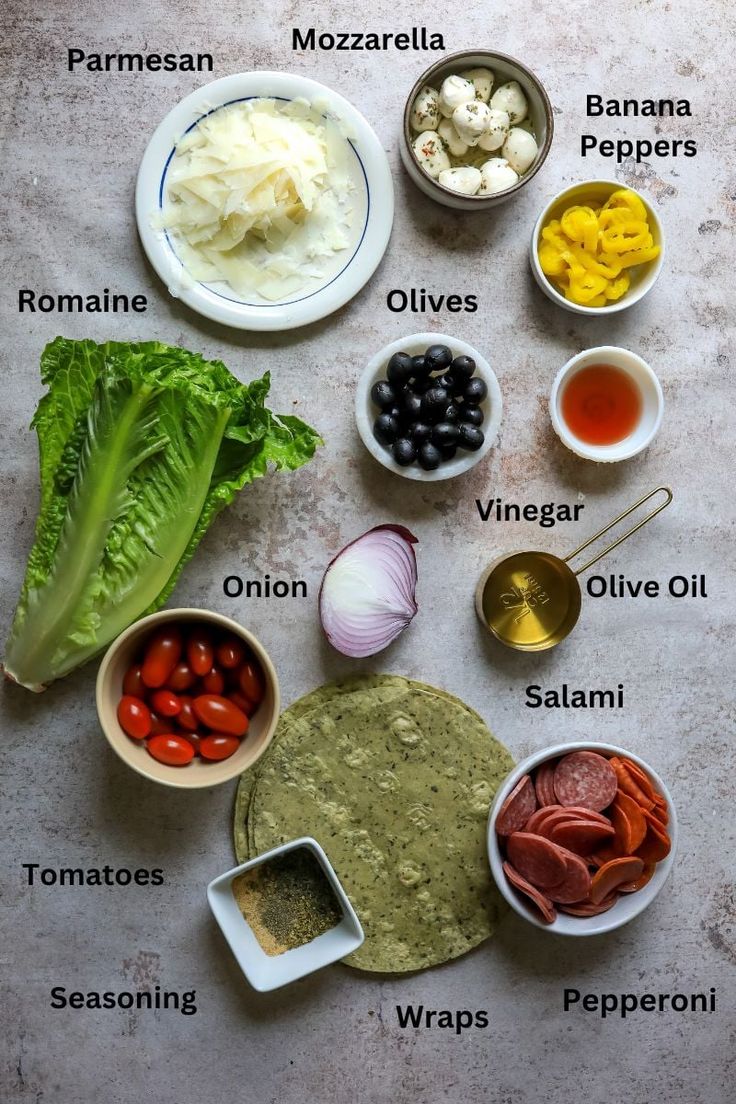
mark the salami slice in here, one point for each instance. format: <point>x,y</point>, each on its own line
<point>543,783</point>
<point>543,904</point>
<point>517,808</point>
<point>585,778</point>
<point>587,908</point>
<point>575,886</point>
<point>581,837</point>
<point>536,859</point>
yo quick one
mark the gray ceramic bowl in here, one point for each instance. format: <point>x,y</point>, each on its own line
<point>505,69</point>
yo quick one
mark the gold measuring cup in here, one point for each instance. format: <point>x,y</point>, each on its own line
<point>530,601</point>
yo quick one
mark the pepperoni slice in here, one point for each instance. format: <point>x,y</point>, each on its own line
<point>536,859</point>
<point>577,881</point>
<point>543,783</point>
<point>558,815</point>
<point>627,818</point>
<point>656,845</point>
<point>517,808</point>
<point>585,778</point>
<point>586,814</point>
<point>587,908</point>
<point>580,837</point>
<point>543,904</point>
<point>532,825</point>
<point>613,874</point>
<point>641,881</point>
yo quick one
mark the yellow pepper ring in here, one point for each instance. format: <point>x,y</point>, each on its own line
<point>587,251</point>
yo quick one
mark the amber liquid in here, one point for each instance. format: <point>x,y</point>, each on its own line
<point>601,404</point>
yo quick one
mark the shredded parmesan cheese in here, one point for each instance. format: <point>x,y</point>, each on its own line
<point>258,196</point>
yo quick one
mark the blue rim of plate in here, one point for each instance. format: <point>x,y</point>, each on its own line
<point>241,302</point>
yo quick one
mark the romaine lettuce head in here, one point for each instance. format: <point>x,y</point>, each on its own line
<point>141,445</point>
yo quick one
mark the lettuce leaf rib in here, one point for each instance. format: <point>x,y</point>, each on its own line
<point>141,445</point>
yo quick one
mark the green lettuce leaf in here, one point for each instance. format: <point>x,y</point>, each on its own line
<point>141,446</point>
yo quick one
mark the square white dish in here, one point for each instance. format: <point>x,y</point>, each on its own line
<point>266,972</point>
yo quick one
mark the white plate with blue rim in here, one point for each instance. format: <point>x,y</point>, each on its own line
<point>340,276</point>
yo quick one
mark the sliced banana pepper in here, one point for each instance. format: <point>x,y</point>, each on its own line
<point>587,251</point>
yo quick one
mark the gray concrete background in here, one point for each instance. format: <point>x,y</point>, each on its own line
<point>71,147</point>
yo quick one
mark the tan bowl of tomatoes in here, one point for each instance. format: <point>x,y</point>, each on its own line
<point>188,698</point>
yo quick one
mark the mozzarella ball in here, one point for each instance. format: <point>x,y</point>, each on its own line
<point>520,149</point>
<point>464,179</point>
<point>430,153</point>
<point>498,128</point>
<point>482,81</point>
<point>496,176</point>
<point>471,121</point>
<point>451,138</point>
<point>509,97</point>
<point>454,92</point>
<point>425,112</point>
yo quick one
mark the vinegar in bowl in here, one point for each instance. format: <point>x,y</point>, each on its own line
<point>601,404</point>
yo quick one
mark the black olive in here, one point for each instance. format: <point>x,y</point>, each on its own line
<point>448,451</point>
<point>473,415</point>
<point>383,394</point>
<point>452,385</point>
<point>471,437</point>
<point>419,432</point>
<point>419,367</point>
<point>404,451</point>
<point>462,368</point>
<point>453,412</point>
<point>475,390</point>
<point>386,428</point>
<point>445,433</point>
<point>438,357</point>
<point>394,411</point>
<point>398,369</point>
<point>434,404</point>
<point>429,456</point>
<point>422,385</point>
<point>411,405</point>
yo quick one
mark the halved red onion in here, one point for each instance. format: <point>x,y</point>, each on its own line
<point>367,593</point>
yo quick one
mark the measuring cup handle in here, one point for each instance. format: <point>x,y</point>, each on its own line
<point>601,532</point>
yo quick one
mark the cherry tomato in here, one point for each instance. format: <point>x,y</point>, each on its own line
<point>173,750</point>
<point>166,703</point>
<point>220,714</point>
<point>230,653</point>
<point>250,678</point>
<point>200,652</point>
<point>163,652</point>
<point>213,682</point>
<point>181,678</point>
<point>194,739</point>
<point>134,717</point>
<point>242,702</point>
<point>218,746</point>
<point>133,683</point>
<point>186,718</point>
<point>159,725</point>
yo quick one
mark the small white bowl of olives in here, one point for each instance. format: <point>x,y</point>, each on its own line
<point>428,407</point>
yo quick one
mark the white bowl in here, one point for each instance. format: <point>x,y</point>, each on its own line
<point>366,411</point>
<point>628,905</point>
<point>505,69</point>
<point>266,972</point>
<point>652,404</point>
<point>643,277</point>
<point>349,270</point>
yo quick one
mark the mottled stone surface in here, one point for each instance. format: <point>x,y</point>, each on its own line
<point>71,147</point>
